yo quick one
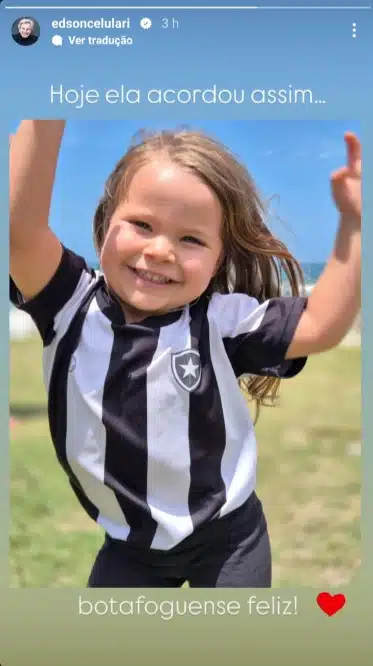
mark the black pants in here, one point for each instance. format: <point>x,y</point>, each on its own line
<point>233,551</point>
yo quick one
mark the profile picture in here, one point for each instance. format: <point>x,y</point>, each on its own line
<point>25,31</point>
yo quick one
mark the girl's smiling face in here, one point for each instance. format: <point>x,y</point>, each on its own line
<point>163,244</point>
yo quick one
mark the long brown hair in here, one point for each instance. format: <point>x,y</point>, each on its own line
<point>255,262</point>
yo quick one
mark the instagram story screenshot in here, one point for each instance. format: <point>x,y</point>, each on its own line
<point>187,355</point>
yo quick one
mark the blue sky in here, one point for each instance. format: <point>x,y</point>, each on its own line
<point>290,161</point>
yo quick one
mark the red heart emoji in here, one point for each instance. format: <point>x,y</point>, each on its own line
<point>331,603</point>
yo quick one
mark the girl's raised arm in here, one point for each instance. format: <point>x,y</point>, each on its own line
<point>336,298</point>
<point>35,251</point>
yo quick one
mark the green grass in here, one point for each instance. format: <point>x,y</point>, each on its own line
<point>308,480</point>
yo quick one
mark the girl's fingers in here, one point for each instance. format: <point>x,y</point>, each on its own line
<point>339,174</point>
<point>353,151</point>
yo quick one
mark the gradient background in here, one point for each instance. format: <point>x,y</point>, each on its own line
<point>244,49</point>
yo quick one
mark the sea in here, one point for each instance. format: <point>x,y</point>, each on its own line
<point>312,272</point>
<point>21,325</point>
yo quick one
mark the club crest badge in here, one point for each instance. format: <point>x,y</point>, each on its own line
<point>186,368</point>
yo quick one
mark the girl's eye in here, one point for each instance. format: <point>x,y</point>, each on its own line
<point>192,239</point>
<point>141,225</point>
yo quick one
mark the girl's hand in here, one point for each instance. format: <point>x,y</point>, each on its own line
<point>346,182</point>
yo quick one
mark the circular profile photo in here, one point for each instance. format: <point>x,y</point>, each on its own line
<point>25,31</point>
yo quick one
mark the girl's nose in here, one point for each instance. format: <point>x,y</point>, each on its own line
<point>160,248</point>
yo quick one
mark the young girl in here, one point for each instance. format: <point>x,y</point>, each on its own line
<point>142,361</point>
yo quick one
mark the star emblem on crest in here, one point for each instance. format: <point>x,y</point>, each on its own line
<point>186,368</point>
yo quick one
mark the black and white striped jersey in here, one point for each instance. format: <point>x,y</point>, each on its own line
<point>147,419</point>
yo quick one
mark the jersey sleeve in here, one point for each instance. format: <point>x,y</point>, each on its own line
<point>256,336</point>
<point>56,304</point>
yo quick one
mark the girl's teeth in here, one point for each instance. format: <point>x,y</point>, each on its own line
<point>152,278</point>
